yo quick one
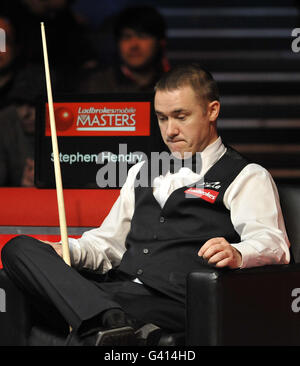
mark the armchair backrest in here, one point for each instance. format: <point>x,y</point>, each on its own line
<point>290,204</point>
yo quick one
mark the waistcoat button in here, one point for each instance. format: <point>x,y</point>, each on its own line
<point>145,251</point>
<point>139,271</point>
<point>162,219</point>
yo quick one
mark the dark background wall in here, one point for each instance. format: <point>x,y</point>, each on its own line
<point>247,45</point>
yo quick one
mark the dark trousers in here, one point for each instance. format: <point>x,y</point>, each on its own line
<point>78,298</point>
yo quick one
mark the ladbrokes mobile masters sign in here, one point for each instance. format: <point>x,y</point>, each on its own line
<point>101,119</point>
<point>96,132</point>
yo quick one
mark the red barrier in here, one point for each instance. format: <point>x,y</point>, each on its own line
<point>38,207</point>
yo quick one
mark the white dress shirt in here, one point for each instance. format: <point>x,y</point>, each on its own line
<point>252,199</point>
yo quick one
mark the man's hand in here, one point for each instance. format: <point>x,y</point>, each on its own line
<point>219,252</point>
<point>56,246</point>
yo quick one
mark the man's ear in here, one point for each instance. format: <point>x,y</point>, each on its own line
<point>213,110</point>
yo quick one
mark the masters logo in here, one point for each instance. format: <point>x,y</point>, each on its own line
<point>101,119</point>
<point>106,119</point>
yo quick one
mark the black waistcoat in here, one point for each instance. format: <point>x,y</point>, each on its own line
<point>163,243</point>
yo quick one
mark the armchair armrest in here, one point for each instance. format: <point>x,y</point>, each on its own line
<point>250,306</point>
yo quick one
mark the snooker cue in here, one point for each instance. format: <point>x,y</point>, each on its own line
<point>57,170</point>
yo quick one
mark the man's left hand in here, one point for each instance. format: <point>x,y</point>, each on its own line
<point>219,252</point>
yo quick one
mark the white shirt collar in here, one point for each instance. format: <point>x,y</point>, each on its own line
<point>211,154</point>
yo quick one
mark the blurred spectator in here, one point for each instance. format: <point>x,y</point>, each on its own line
<point>17,130</point>
<point>140,35</point>
<point>8,59</point>
<point>68,43</point>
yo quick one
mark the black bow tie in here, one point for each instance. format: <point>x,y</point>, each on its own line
<point>194,163</point>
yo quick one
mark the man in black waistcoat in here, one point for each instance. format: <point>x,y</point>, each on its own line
<point>224,212</point>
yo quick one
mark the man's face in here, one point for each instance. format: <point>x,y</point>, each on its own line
<point>186,123</point>
<point>42,7</point>
<point>137,50</point>
<point>7,57</point>
<point>26,113</point>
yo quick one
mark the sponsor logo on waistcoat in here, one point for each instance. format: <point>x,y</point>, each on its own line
<point>205,192</point>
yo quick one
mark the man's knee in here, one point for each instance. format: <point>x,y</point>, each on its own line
<point>14,248</point>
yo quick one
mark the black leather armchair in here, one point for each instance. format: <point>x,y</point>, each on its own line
<point>255,306</point>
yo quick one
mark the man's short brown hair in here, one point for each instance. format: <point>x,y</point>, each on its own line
<point>193,75</point>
